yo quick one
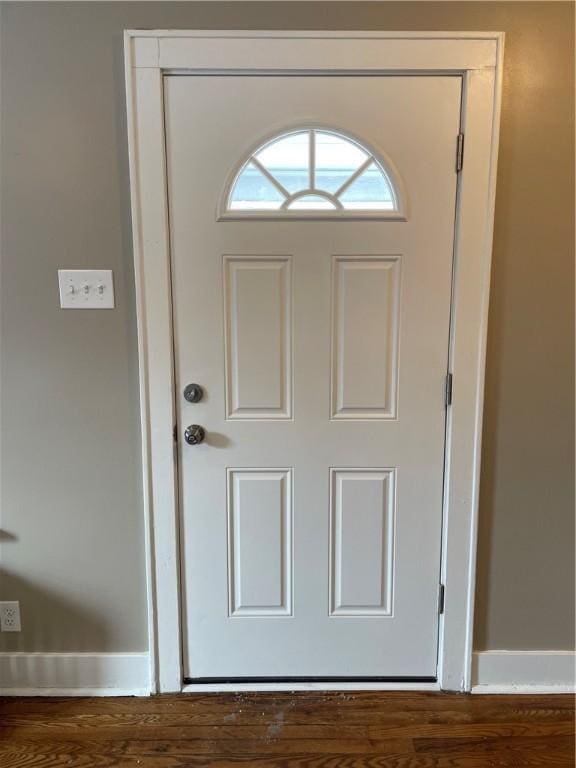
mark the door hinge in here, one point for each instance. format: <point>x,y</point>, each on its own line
<point>459,152</point>
<point>448,391</point>
<point>440,598</point>
<point>175,433</point>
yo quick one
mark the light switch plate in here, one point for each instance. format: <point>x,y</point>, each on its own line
<point>86,288</point>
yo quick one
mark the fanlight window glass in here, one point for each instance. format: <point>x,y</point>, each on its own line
<point>312,170</point>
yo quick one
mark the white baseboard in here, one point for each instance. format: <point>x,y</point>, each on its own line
<point>74,674</point>
<point>524,672</point>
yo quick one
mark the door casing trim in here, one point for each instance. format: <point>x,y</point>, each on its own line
<point>478,59</point>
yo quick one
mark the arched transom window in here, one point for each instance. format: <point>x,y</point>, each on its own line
<point>313,171</point>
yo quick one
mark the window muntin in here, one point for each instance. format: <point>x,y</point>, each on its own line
<point>287,159</point>
<point>312,170</point>
<point>336,159</point>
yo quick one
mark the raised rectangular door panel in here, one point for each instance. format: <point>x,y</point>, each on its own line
<point>260,542</point>
<point>365,319</point>
<point>362,508</point>
<point>258,337</point>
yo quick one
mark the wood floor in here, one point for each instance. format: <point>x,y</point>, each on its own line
<point>289,730</point>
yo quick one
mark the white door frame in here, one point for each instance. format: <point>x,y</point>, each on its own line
<point>477,58</point>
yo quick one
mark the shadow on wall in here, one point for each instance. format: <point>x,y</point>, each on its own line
<point>56,624</point>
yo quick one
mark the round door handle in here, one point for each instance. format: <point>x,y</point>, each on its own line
<point>193,393</point>
<point>194,434</point>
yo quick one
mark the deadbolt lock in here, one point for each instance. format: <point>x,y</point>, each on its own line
<point>193,393</point>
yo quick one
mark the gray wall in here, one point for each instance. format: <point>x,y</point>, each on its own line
<point>72,541</point>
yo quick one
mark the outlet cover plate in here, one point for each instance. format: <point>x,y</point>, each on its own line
<point>10,616</point>
<point>86,288</point>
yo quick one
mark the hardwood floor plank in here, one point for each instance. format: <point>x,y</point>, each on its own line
<point>48,760</point>
<point>79,747</point>
<point>269,745</point>
<point>309,701</point>
<point>529,744</point>
<point>294,713</point>
<point>176,727</point>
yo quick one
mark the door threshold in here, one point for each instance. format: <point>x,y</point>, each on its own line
<point>311,679</point>
<point>246,685</point>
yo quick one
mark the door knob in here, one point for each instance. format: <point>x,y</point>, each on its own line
<point>194,434</point>
<point>193,393</point>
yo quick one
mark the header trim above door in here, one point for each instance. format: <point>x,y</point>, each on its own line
<point>303,51</point>
<point>478,58</point>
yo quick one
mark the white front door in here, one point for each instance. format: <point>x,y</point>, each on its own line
<point>312,227</point>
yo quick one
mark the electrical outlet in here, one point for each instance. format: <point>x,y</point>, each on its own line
<point>10,616</point>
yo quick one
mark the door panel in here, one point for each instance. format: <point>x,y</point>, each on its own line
<point>361,542</point>
<point>365,333</point>
<point>260,542</point>
<point>311,514</point>
<point>258,322</point>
